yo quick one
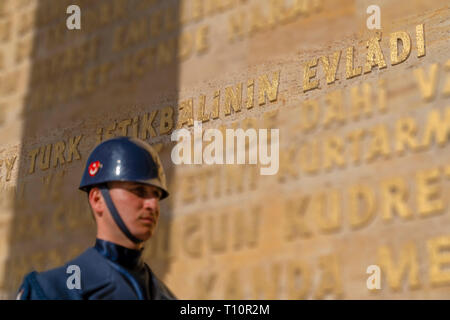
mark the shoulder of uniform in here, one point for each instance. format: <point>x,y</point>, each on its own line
<point>30,289</point>
<point>93,271</point>
<point>159,290</point>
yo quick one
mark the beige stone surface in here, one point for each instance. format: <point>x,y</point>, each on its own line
<point>365,185</point>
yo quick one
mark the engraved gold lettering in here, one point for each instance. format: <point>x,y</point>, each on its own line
<point>355,138</point>
<point>246,228</point>
<point>379,143</point>
<point>233,99</point>
<point>395,195</point>
<point>429,192</point>
<point>438,248</point>
<point>218,232</point>
<point>186,113</point>
<point>299,280</point>
<point>362,206</point>
<point>374,55</point>
<point>236,26</point>
<point>408,262</point>
<point>334,110</point>
<point>9,162</point>
<point>201,39</point>
<point>134,127</point>
<point>420,38</point>
<point>32,154</point>
<point>216,103</point>
<point>123,126</point>
<point>437,127</point>
<point>427,86</point>
<point>110,130</point>
<point>330,68</point>
<point>73,152</point>
<point>446,89</point>
<point>309,115</point>
<point>266,287</point>
<point>166,121</point>
<point>192,240</point>
<point>44,153</point>
<point>58,153</point>
<point>147,125</point>
<point>330,281</point>
<point>406,43</point>
<point>309,74</point>
<point>267,88</point>
<point>334,153</point>
<point>295,222</point>
<point>250,93</point>
<point>406,131</point>
<point>351,72</point>
<point>326,209</point>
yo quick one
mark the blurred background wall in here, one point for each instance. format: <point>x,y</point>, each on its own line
<point>364,123</point>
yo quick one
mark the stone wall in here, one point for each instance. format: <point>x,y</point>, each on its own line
<point>363,123</point>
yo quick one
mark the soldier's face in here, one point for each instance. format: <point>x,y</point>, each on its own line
<point>138,205</point>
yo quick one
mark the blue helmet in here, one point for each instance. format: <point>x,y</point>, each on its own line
<point>124,159</point>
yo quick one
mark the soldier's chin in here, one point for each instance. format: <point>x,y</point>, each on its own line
<point>144,235</point>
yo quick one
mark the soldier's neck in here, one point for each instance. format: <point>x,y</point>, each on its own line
<point>124,242</point>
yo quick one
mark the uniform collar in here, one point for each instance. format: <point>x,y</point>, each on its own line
<point>126,257</point>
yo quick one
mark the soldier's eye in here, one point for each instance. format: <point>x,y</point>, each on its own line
<point>146,193</point>
<point>139,191</point>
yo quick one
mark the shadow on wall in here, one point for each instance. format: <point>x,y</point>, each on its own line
<point>108,79</point>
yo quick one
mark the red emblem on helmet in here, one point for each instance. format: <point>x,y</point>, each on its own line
<point>94,167</point>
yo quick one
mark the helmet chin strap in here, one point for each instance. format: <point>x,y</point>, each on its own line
<point>115,214</point>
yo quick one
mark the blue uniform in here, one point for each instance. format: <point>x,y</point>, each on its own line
<point>107,271</point>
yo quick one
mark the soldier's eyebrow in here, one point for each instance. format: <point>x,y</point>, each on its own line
<point>133,184</point>
<point>140,187</point>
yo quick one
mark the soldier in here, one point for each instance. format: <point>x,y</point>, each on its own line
<point>124,180</point>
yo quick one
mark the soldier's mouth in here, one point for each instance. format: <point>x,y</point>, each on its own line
<point>148,220</point>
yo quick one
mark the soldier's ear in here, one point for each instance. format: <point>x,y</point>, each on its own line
<point>96,201</point>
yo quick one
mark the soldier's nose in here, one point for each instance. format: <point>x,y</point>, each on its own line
<point>151,203</point>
